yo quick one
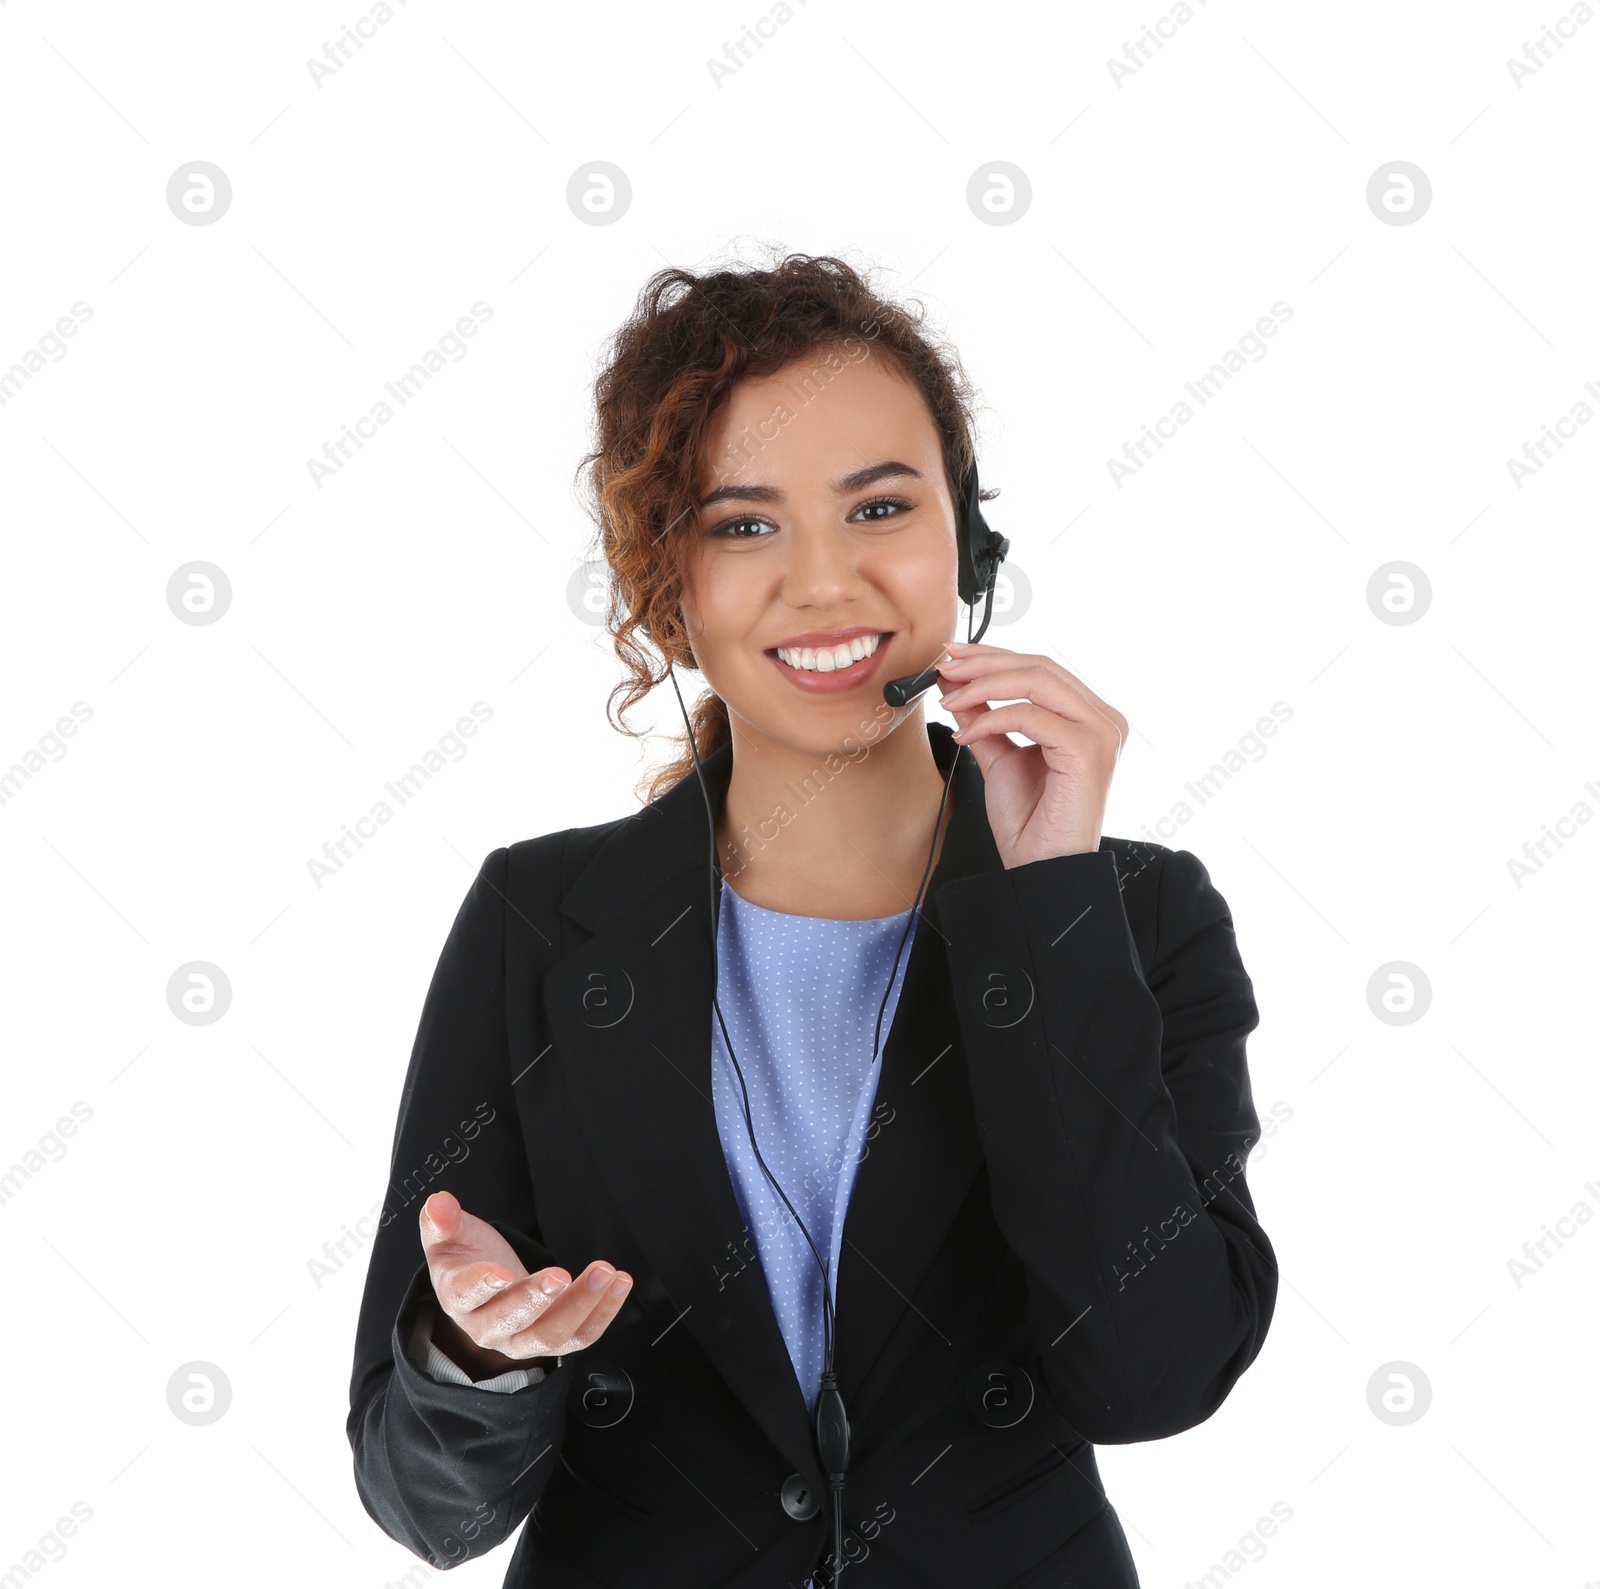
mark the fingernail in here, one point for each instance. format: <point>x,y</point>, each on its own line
<point>619,1288</point>
<point>496,1282</point>
<point>549,1284</point>
<point>600,1279</point>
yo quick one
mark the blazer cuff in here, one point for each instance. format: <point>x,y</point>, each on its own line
<point>425,1353</point>
<point>413,1331</point>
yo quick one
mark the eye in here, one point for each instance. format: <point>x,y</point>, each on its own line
<point>898,504</point>
<point>735,529</point>
<point>725,531</point>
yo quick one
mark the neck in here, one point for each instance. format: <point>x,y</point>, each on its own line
<point>826,834</point>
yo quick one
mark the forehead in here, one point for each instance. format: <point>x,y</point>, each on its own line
<point>828,410</point>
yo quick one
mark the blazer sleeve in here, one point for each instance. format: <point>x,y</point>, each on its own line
<point>1115,1116</point>
<point>450,1470</point>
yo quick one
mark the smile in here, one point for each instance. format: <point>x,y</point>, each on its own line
<point>830,659</point>
<point>827,669</point>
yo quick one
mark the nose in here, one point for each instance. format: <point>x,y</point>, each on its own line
<point>821,568</point>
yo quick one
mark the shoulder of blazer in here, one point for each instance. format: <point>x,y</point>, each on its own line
<point>539,872</point>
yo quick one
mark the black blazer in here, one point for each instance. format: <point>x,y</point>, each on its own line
<point>1050,1242</point>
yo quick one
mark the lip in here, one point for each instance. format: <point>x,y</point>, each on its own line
<point>841,679</point>
<point>827,637</point>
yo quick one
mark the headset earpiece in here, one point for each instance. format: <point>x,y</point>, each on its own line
<point>979,554</point>
<point>982,549</point>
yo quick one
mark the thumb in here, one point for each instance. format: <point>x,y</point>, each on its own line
<point>443,1213</point>
<point>458,1239</point>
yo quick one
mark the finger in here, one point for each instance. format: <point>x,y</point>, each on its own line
<point>988,752</point>
<point>979,662</point>
<point>1039,684</point>
<point>583,1325</point>
<point>447,1228</point>
<point>524,1322</point>
<point>440,1218</point>
<point>453,1239</point>
<point>976,664</point>
<point>1044,688</point>
<point>1103,706</point>
<point>1043,727</point>
<point>464,1287</point>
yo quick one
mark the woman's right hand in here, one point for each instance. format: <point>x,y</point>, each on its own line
<point>494,1314</point>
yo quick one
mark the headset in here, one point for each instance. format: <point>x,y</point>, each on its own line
<point>980,551</point>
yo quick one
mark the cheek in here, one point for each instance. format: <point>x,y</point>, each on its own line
<point>716,611</point>
<point>930,583</point>
<point>698,602</point>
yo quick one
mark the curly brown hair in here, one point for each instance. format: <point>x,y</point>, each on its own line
<point>668,371</point>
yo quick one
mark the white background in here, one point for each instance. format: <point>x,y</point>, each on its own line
<point>1168,214</point>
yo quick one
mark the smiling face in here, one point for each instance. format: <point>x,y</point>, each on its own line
<point>824,557</point>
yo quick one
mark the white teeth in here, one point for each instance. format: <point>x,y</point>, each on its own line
<point>829,659</point>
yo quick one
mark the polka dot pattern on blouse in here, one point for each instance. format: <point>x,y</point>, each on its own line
<point>800,996</point>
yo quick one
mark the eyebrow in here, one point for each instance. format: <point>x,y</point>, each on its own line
<point>855,481</point>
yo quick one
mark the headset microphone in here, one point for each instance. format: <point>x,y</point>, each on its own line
<point>979,555</point>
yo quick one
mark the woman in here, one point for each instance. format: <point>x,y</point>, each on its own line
<point>1015,1150</point>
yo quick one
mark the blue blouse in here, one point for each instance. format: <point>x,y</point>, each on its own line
<point>800,996</point>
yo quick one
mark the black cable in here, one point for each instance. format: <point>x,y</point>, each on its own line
<point>832,1425</point>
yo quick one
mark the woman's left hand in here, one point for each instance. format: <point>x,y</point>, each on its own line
<point>1047,798</point>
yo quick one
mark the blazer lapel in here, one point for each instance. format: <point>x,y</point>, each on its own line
<point>630,1013</point>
